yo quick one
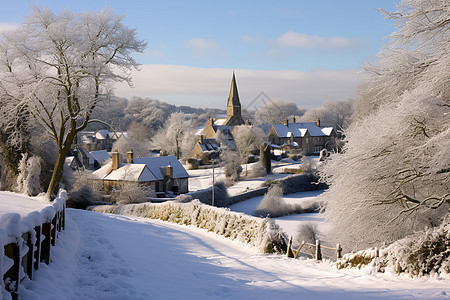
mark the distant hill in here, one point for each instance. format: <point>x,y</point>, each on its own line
<point>121,112</point>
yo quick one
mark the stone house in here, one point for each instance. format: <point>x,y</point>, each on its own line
<point>205,149</point>
<point>302,137</point>
<point>161,174</point>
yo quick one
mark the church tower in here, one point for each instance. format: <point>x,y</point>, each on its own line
<point>234,116</point>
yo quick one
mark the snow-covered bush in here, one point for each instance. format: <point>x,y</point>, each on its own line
<point>264,234</point>
<point>232,164</point>
<point>82,197</point>
<point>258,170</point>
<point>273,205</point>
<point>423,253</point>
<point>308,232</point>
<point>221,197</point>
<point>29,172</point>
<point>131,193</point>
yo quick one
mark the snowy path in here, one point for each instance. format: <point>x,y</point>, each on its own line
<point>114,257</point>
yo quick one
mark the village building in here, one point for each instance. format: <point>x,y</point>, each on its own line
<point>163,174</point>
<point>302,137</point>
<point>208,145</point>
<point>81,158</point>
<point>98,140</point>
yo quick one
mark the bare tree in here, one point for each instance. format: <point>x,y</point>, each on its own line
<point>274,112</point>
<point>176,137</point>
<point>393,177</point>
<point>61,66</point>
<point>336,114</point>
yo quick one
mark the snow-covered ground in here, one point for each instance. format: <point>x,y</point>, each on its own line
<point>17,203</point>
<point>290,223</point>
<point>115,257</point>
<point>202,178</point>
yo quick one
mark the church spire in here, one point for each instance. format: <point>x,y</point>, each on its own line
<point>234,105</point>
<point>233,98</point>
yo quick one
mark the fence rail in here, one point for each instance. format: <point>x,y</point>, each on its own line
<point>27,247</point>
<point>317,249</point>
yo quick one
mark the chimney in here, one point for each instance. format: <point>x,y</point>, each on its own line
<point>115,160</point>
<point>200,139</point>
<point>293,119</point>
<point>318,122</point>
<point>169,171</point>
<point>286,122</point>
<point>130,156</point>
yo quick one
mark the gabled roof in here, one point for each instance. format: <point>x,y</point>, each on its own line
<point>157,166</point>
<point>300,129</point>
<point>100,156</point>
<point>131,172</point>
<point>86,154</point>
<point>220,122</point>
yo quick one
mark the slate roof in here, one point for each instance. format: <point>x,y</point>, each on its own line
<point>157,166</point>
<point>300,129</point>
<point>100,156</point>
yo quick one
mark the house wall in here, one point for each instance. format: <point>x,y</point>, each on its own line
<point>110,185</point>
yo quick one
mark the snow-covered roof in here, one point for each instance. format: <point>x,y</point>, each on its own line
<point>300,129</point>
<point>327,130</point>
<point>103,171</point>
<point>102,134</point>
<point>132,172</point>
<point>220,122</point>
<point>100,156</point>
<point>157,166</point>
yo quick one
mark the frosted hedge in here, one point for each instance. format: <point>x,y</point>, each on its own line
<point>423,253</point>
<point>263,234</point>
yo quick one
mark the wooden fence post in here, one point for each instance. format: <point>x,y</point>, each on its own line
<point>37,253</point>
<point>27,259</point>
<point>318,251</point>
<point>13,251</point>
<point>64,217</point>
<point>46,242</point>
<point>289,248</point>
<point>53,234</point>
<point>339,251</point>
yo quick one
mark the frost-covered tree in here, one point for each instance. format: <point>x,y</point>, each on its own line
<point>274,112</point>
<point>248,139</point>
<point>393,177</point>
<point>175,138</point>
<point>336,114</point>
<point>61,66</point>
<point>28,178</point>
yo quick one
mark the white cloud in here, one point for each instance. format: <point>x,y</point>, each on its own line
<point>293,39</point>
<point>201,47</point>
<point>209,87</point>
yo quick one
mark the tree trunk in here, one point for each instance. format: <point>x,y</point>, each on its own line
<point>52,191</point>
<point>53,188</point>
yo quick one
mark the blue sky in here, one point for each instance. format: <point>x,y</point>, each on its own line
<point>279,42</point>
